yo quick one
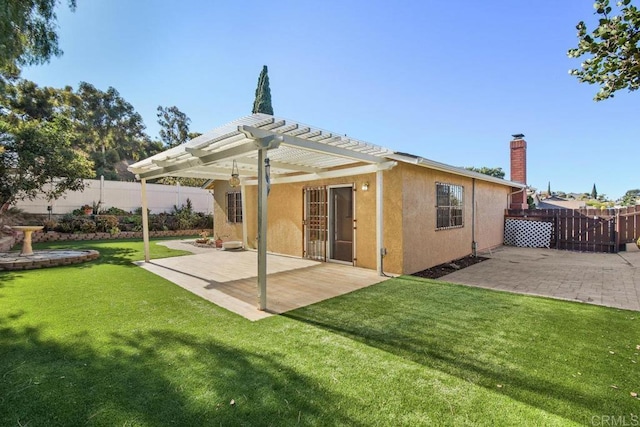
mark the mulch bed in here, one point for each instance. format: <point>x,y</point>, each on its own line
<point>449,267</point>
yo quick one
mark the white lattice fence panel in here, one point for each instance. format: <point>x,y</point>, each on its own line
<point>529,234</point>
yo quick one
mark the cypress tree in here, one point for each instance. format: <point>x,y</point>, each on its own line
<point>594,192</point>
<point>262,103</point>
<point>549,189</point>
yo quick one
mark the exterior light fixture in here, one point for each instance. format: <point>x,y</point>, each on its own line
<point>234,181</point>
<point>267,174</point>
<point>365,186</point>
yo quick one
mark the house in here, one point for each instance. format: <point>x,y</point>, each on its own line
<point>557,202</point>
<point>329,197</point>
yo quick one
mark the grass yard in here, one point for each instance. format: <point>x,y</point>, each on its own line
<point>107,343</point>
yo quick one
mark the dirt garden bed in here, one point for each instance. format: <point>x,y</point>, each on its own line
<point>449,267</point>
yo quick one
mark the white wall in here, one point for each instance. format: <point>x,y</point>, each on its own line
<point>124,195</point>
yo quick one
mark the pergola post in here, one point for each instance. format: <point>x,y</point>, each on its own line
<point>262,230</point>
<point>263,144</point>
<point>243,200</point>
<point>379,222</point>
<point>145,221</point>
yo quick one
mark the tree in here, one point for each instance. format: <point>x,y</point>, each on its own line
<point>174,126</point>
<point>612,49</point>
<point>495,172</point>
<point>27,35</point>
<point>37,157</point>
<point>262,103</point>
<point>594,192</point>
<point>549,189</point>
<point>631,197</point>
<point>108,122</point>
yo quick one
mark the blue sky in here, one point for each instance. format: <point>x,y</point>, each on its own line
<point>450,81</point>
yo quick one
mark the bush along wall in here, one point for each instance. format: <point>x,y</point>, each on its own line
<point>52,236</point>
<point>114,221</point>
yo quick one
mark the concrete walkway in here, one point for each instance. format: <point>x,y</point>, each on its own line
<point>612,280</point>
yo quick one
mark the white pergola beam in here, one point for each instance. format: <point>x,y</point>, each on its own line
<point>308,145</point>
<point>196,161</point>
<point>282,165</point>
<point>339,173</point>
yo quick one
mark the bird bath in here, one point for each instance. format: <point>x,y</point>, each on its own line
<point>26,243</point>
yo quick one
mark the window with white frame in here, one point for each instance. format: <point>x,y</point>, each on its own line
<point>449,206</point>
<point>234,206</point>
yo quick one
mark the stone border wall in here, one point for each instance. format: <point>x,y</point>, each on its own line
<point>52,236</point>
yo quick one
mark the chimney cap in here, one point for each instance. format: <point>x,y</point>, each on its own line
<point>518,136</point>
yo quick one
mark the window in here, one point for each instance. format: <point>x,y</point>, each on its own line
<point>449,206</point>
<point>234,206</point>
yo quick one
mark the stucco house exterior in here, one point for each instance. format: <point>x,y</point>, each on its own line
<point>325,196</point>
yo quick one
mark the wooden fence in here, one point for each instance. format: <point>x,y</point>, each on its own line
<point>588,230</point>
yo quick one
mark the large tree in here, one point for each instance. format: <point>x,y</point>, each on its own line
<point>262,102</point>
<point>37,154</point>
<point>174,126</point>
<point>612,49</point>
<point>27,34</point>
<point>111,127</point>
<point>495,172</point>
<point>631,197</point>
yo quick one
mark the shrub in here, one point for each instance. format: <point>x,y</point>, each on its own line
<point>49,225</point>
<point>115,211</point>
<point>105,223</point>
<point>131,223</point>
<point>85,225</point>
<point>65,225</point>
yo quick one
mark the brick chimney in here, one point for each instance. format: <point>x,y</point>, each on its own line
<point>519,170</point>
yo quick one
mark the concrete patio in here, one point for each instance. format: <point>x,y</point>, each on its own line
<point>228,279</point>
<point>612,280</point>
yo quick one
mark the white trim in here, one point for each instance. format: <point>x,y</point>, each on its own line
<point>340,173</point>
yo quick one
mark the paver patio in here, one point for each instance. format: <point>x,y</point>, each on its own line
<point>228,279</point>
<point>611,280</point>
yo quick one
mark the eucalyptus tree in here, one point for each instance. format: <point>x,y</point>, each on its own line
<point>27,35</point>
<point>611,49</point>
<point>174,126</point>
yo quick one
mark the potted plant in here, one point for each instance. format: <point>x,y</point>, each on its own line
<point>218,240</point>
<point>204,238</point>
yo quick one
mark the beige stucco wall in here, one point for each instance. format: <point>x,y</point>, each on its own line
<point>410,235</point>
<point>221,227</point>
<point>424,245</point>
<point>285,214</point>
<point>491,201</point>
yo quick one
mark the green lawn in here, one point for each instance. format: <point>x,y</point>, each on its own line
<point>107,343</point>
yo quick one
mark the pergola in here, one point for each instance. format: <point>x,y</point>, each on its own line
<point>268,151</point>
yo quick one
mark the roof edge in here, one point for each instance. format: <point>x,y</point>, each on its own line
<point>443,167</point>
